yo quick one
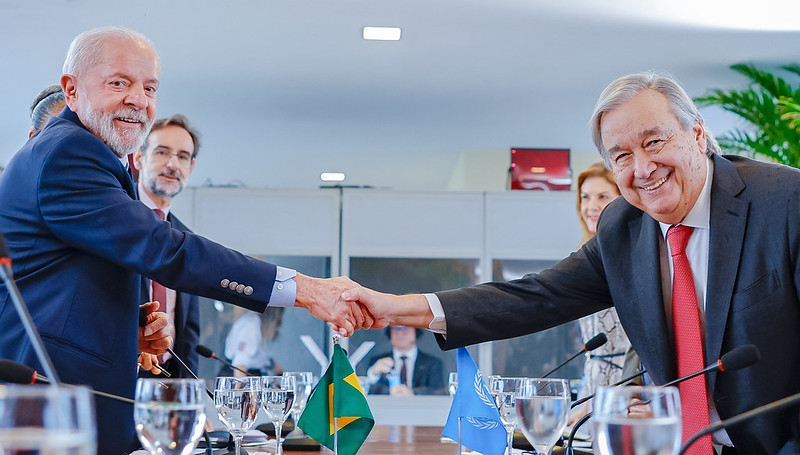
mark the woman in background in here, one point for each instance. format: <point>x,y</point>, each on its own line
<point>596,189</point>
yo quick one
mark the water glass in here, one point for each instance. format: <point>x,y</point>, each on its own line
<point>237,400</point>
<point>641,420</point>
<point>504,389</point>
<point>543,411</point>
<point>169,414</point>
<point>452,383</point>
<point>42,419</point>
<point>277,397</point>
<point>303,382</point>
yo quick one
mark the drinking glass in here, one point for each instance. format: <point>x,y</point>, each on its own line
<point>503,390</point>
<point>42,419</point>
<point>642,420</point>
<point>543,411</point>
<point>169,414</point>
<point>277,397</point>
<point>237,400</point>
<point>303,381</point>
<point>452,383</point>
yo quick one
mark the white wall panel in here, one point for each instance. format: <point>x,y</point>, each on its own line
<point>531,224</point>
<point>384,223</point>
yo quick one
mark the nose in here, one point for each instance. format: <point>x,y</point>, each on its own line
<point>643,165</point>
<point>136,96</point>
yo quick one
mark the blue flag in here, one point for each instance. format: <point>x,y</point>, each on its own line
<point>481,427</point>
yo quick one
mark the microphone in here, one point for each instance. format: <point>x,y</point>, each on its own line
<point>735,359</point>
<point>206,352</point>
<point>596,341</point>
<point>17,373</point>
<point>22,311</point>
<point>739,418</point>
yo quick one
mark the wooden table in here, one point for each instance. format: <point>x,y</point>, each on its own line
<point>393,440</point>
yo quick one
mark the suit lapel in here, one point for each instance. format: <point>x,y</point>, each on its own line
<point>654,347</point>
<point>727,224</point>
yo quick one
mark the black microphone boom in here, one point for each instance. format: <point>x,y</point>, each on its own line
<point>206,352</point>
<point>596,341</point>
<point>17,373</point>
<point>22,311</point>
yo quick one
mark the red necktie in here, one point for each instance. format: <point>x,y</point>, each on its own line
<point>160,292</point>
<point>688,342</point>
<point>403,371</point>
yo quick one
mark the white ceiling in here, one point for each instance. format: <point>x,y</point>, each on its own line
<point>284,90</point>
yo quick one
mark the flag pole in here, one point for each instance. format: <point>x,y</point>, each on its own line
<point>335,418</point>
<point>459,435</point>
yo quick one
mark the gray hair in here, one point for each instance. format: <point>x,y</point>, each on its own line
<point>180,121</point>
<point>86,49</point>
<point>48,102</point>
<point>625,88</point>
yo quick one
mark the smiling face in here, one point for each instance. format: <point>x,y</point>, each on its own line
<point>596,193</point>
<point>115,98</point>
<point>659,166</point>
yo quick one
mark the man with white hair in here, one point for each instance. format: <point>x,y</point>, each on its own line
<point>80,240</point>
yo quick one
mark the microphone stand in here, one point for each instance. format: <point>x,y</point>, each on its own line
<point>27,321</point>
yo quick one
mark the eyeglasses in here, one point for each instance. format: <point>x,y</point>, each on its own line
<point>163,156</point>
<point>399,328</point>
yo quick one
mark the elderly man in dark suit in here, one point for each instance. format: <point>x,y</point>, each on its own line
<point>729,276</point>
<point>80,241</point>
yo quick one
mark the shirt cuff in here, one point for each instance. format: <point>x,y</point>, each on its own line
<point>284,291</point>
<point>438,324</point>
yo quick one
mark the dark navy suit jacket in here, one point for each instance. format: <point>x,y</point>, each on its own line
<point>80,242</point>
<point>753,295</point>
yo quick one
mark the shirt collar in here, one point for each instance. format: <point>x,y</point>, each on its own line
<point>700,215</point>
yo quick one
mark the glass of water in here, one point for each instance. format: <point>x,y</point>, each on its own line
<point>277,397</point>
<point>452,383</point>
<point>237,400</point>
<point>169,414</point>
<point>303,381</point>
<point>543,410</point>
<point>642,420</point>
<point>504,391</point>
<point>42,419</point>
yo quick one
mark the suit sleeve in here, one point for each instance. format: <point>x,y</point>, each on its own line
<point>83,200</point>
<point>573,288</point>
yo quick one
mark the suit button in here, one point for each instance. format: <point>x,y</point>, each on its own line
<point>224,283</point>
<point>240,288</point>
<point>232,285</point>
<point>248,290</point>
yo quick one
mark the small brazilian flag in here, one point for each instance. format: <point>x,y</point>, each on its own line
<point>339,395</point>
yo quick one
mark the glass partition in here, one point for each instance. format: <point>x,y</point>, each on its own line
<point>536,354</point>
<point>410,275</point>
<point>281,328</point>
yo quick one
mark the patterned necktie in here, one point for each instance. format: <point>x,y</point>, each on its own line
<point>160,294</point>
<point>403,370</point>
<point>688,342</point>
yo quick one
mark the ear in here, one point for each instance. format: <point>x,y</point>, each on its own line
<point>69,85</point>
<point>700,136</point>
<point>137,160</point>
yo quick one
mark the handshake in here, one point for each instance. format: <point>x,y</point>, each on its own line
<point>346,306</point>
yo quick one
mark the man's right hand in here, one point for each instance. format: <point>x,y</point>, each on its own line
<point>382,366</point>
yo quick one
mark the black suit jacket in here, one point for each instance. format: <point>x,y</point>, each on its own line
<point>753,295</point>
<point>428,377</point>
<point>187,321</point>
